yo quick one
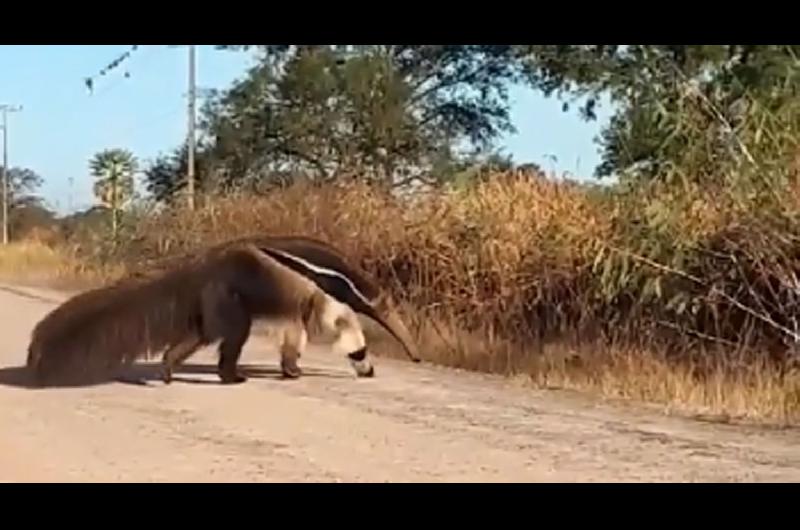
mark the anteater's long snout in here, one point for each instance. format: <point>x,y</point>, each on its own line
<point>389,318</point>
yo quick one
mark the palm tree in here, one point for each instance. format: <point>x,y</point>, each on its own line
<point>113,170</point>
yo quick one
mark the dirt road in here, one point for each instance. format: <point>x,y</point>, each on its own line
<point>410,423</point>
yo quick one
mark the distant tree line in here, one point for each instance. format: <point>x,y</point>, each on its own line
<point>393,115</point>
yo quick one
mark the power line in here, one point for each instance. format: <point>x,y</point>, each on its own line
<point>89,81</point>
<point>191,110</point>
<point>139,61</point>
<point>193,94</point>
<point>6,108</point>
<point>81,103</point>
<point>127,74</point>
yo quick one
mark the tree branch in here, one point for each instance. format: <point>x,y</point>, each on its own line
<point>712,290</point>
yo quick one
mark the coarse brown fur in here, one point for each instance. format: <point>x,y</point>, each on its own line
<point>180,310</point>
<point>379,306</point>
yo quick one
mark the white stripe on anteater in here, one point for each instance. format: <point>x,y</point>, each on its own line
<point>322,270</point>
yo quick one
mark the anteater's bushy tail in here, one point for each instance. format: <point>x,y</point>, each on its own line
<point>96,331</point>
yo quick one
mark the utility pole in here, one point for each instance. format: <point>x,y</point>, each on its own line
<point>191,138</point>
<point>5,109</point>
<point>71,181</point>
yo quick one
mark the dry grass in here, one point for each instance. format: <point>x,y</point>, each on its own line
<point>504,276</point>
<point>757,393</point>
<point>35,262</point>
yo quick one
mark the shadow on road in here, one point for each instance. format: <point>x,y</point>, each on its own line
<point>146,373</point>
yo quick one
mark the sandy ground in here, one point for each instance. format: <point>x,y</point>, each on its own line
<point>412,423</point>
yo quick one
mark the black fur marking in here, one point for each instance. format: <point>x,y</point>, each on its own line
<point>358,355</point>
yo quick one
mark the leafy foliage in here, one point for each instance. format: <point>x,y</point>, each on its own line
<point>22,185</point>
<point>704,139</point>
<point>384,114</point>
<point>698,112</point>
<point>165,177</point>
<point>25,209</point>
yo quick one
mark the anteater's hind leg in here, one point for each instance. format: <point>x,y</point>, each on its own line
<point>175,355</point>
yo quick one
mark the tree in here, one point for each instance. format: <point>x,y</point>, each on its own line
<point>113,170</point>
<point>25,209</point>
<point>701,110</point>
<point>22,184</point>
<point>31,217</point>
<point>387,114</point>
<point>165,177</point>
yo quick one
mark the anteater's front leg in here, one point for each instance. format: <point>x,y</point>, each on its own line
<point>292,347</point>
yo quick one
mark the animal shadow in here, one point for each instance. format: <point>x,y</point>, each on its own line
<point>148,374</point>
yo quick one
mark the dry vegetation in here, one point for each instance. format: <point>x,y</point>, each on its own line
<point>45,264</point>
<point>685,304</point>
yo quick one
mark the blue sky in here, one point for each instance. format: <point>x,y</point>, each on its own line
<point>61,125</point>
